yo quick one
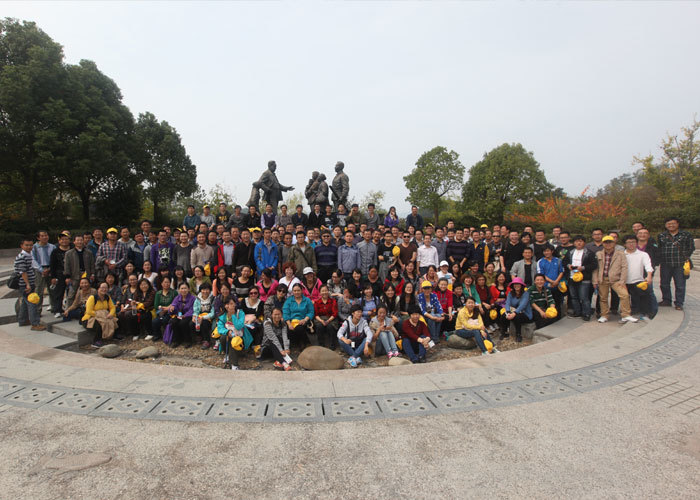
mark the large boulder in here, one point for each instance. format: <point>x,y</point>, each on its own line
<point>147,352</point>
<point>457,342</point>
<point>397,361</point>
<point>109,351</point>
<point>320,358</point>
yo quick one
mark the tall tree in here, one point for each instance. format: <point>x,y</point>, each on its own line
<point>162,163</point>
<point>32,77</point>
<point>506,177</point>
<point>438,172</point>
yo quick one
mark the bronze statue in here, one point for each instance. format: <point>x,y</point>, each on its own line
<point>340,187</point>
<point>310,191</point>
<point>272,189</point>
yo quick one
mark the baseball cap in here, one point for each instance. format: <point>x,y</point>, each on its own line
<point>608,238</point>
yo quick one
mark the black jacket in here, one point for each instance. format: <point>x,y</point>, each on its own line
<point>589,263</point>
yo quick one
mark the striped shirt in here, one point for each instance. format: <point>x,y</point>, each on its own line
<point>23,264</point>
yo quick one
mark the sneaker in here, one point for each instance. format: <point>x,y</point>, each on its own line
<point>205,345</point>
<point>422,360</point>
<point>679,308</point>
<point>485,353</point>
<point>586,318</point>
<point>663,303</point>
<point>148,337</point>
<point>574,315</point>
<point>643,318</point>
<point>352,362</point>
<point>358,360</point>
<point>38,327</point>
<point>628,319</point>
<point>396,354</point>
<point>277,364</point>
<point>234,367</point>
<point>216,345</point>
<point>287,367</point>
<point>602,319</point>
<point>57,315</point>
<point>97,344</point>
<point>135,337</point>
<point>494,351</point>
<point>390,355</point>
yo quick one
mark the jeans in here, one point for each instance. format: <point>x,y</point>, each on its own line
<point>386,340</point>
<point>476,335</point>
<point>410,348</point>
<point>580,294</point>
<point>434,329</point>
<point>653,302</point>
<point>675,272</point>
<point>639,300</point>
<point>28,312</point>
<point>357,352</point>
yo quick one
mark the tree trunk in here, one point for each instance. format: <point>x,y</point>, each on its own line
<point>436,210</point>
<point>85,201</point>
<point>156,212</point>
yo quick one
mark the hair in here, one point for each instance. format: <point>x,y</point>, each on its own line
<point>288,265</point>
<point>669,219</point>
<point>355,308</point>
<point>205,286</point>
<point>414,309</point>
<point>540,275</point>
<point>282,288</point>
<point>579,237</point>
<point>629,237</point>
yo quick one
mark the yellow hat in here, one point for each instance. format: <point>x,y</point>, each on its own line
<point>399,344</point>
<point>551,312</point>
<point>562,287</point>
<point>295,323</point>
<point>503,310</point>
<point>64,233</point>
<point>215,334</point>
<point>395,251</point>
<point>140,306</point>
<point>84,275</point>
<point>493,314</point>
<point>608,238</point>
<point>207,269</point>
<point>578,276</point>
<point>686,268</point>
<point>426,284</point>
<point>237,343</point>
<point>112,230</point>
<point>484,226</point>
<point>488,345</point>
<point>33,298</point>
<point>643,285</point>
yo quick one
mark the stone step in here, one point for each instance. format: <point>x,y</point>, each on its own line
<point>45,338</point>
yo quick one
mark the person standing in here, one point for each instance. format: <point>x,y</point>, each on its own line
<point>326,256</point>
<point>639,269</point>
<point>161,256</point>
<point>191,220</point>
<point>675,248</point>
<point>612,274</point>
<point>368,252</point>
<point>29,312</point>
<point>427,255</point>
<point>58,278</point>
<point>78,262</point>
<point>111,256</point>
<point>266,254</point>
<point>303,256</point>
<point>207,217</point>
<point>41,255</point>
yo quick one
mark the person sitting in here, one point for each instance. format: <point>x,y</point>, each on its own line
<point>139,322</point>
<point>470,325</point>
<point>77,309</point>
<point>275,340</point>
<point>275,300</point>
<point>298,312</point>
<point>203,314</point>
<point>102,324</point>
<point>369,302</point>
<point>289,278</point>
<point>431,310</point>
<point>181,310</point>
<point>234,334</point>
<point>267,285</point>
<point>385,333</point>
<point>415,337</point>
<point>253,308</point>
<point>311,284</point>
<point>198,279</point>
<point>164,297</point>
<point>518,310</point>
<point>540,300</point>
<point>325,319</point>
<point>354,336</point>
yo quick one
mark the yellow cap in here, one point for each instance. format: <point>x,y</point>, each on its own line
<point>578,276</point>
<point>395,251</point>
<point>562,287</point>
<point>33,298</point>
<point>488,345</point>
<point>426,284</point>
<point>608,238</point>
<point>237,343</point>
<point>643,285</point>
<point>493,314</point>
<point>112,230</point>
<point>551,312</point>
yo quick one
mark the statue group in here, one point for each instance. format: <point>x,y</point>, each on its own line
<point>316,192</point>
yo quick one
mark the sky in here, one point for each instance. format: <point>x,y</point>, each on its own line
<point>585,86</point>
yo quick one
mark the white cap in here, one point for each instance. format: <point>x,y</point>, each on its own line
<point>444,263</point>
<point>308,270</point>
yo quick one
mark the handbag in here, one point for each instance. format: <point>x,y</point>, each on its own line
<point>13,282</point>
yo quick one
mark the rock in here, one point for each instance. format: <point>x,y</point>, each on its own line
<point>396,361</point>
<point>109,351</point>
<point>147,352</point>
<point>457,342</point>
<point>320,358</point>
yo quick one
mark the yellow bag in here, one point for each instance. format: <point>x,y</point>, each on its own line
<point>686,268</point>
<point>562,287</point>
<point>33,298</point>
<point>551,312</point>
<point>489,345</point>
<point>237,343</point>
<point>399,344</point>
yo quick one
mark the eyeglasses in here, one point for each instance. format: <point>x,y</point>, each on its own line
<point>252,293</point>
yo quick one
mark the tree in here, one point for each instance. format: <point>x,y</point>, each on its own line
<point>162,163</point>
<point>220,193</point>
<point>506,178</point>
<point>31,79</point>
<point>438,172</point>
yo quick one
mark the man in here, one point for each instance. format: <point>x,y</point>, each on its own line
<point>78,262</point>
<point>202,254</point>
<point>97,240</point>
<point>612,274</point>
<point>161,256</point>
<point>348,255</point>
<point>414,219</point>
<point>408,250</point>
<point>565,245</point>
<point>596,243</point>
<point>252,219</point>
<point>385,255</point>
<point>582,260</point>
<point>478,251</point>
<point>182,253</point>
<point>646,243</point>
<point>415,336</point>
<point>303,255</point>
<point>111,256</point>
<point>512,251</point>
<point>551,267</point>
<point>540,243</point>
<point>300,218</point>
<point>440,243</point>
<point>224,253</point>
<point>284,218</point>
<point>58,278</point>
<point>458,250</point>
<point>326,256</point>
<point>675,247</point>
<point>316,217</point>
<point>125,238</point>
<point>268,218</point>
<point>356,217</point>
<point>372,218</point>
<point>224,215</point>
<point>266,254</point>
<point>145,228</point>
<point>639,269</point>
<point>555,240</point>
<point>526,268</point>
<point>636,227</point>
<point>368,252</point>
<point>284,250</point>
<point>207,217</point>
<point>235,235</point>
<point>41,255</point>
<point>191,220</point>
<point>427,255</point>
<point>244,252</point>
<point>28,311</point>
<point>236,219</point>
<point>136,253</point>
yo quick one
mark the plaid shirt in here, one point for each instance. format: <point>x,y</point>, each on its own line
<point>608,259</point>
<point>675,250</point>
<point>117,253</point>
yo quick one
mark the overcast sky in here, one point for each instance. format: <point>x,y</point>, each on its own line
<point>585,85</point>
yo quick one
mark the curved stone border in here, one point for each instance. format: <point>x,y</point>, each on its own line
<point>681,344</point>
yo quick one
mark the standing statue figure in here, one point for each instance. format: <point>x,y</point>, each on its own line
<point>321,197</point>
<point>254,200</point>
<point>310,191</point>
<point>272,189</point>
<point>340,186</point>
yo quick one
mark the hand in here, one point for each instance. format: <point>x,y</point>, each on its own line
<point>510,316</point>
<point>366,350</point>
<point>285,352</point>
<point>542,314</point>
<point>171,309</point>
<point>27,288</point>
<point>65,314</point>
<point>346,340</point>
<point>483,334</point>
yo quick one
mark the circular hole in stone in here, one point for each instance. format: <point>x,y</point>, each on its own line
<point>366,412</point>
<point>421,408</point>
<point>221,414</point>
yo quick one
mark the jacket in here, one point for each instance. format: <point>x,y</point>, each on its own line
<point>518,269</point>
<point>588,262</point>
<point>71,264</point>
<point>368,255</point>
<point>521,305</point>
<point>266,257</point>
<point>291,310</point>
<point>303,258</point>
<point>162,257</point>
<point>348,259</point>
<point>617,273</point>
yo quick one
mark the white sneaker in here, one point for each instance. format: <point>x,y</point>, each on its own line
<point>57,315</point>
<point>602,319</point>
<point>135,337</point>
<point>485,353</point>
<point>149,337</point>
<point>234,367</point>
<point>630,319</point>
<point>494,351</point>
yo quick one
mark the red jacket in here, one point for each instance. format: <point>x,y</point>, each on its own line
<point>410,332</point>
<point>495,293</point>
<point>330,308</point>
<point>445,299</point>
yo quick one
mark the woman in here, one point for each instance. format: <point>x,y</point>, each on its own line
<point>163,273</point>
<point>390,301</point>
<point>485,301</point>
<point>499,293</point>
<point>391,218</point>
<point>128,270</point>
<point>407,299</point>
<point>410,275</point>
<point>164,297</point>
<point>253,308</point>
<point>221,278</point>
<point>458,298</point>
<point>289,270</point>
<point>148,272</point>
<point>456,271</point>
<point>298,312</point>
<point>385,334</point>
<point>355,284</point>
<point>345,304</point>
<point>276,300</point>
<point>325,319</point>
<point>469,288</point>
<point>127,312</point>
<point>431,276</point>
<point>243,284</point>
<point>179,277</point>
<point>369,302</point>
<point>540,299</point>
<point>230,326</point>
<point>198,279</point>
<point>518,310</point>
<point>490,274</point>
<point>275,340</point>
<point>470,325</point>
<point>336,284</point>
<point>354,336</point>
<point>203,315</point>
<point>374,280</point>
<point>94,320</point>
<point>311,284</point>
<point>267,285</point>
<point>114,289</point>
<point>181,311</point>
<point>395,280</point>
<point>431,310</point>
<point>139,322</point>
<point>444,272</point>
<point>444,295</point>
<point>77,309</point>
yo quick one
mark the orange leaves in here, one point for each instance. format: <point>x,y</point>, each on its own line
<point>565,210</point>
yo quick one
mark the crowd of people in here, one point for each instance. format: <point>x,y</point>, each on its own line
<point>259,283</point>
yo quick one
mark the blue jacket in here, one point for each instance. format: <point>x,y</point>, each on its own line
<point>436,308</point>
<point>265,257</point>
<point>191,221</point>
<point>550,269</point>
<point>291,310</point>
<point>348,259</point>
<point>522,304</point>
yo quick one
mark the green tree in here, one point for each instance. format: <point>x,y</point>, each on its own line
<point>438,172</point>
<point>31,80</point>
<point>162,163</point>
<point>220,193</point>
<point>507,176</point>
